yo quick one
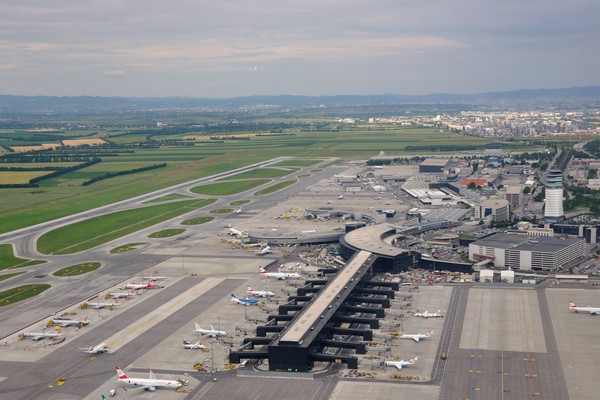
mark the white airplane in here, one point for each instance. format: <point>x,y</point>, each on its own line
<point>192,346</point>
<point>99,348</point>
<point>239,211</point>
<point>400,364</point>
<point>155,277</point>
<point>341,196</point>
<point>138,286</point>
<point>63,322</point>
<point>150,383</point>
<point>265,250</point>
<point>235,232</point>
<point>120,295</point>
<point>427,314</point>
<point>417,337</point>
<point>43,335</point>
<point>260,293</point>
<point>279,275</point>
<point>587,309</point>
<point>212,332</point>
<point>102,304</point>
<point>246,301</point>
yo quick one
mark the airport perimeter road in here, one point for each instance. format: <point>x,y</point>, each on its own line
<point>83,373</point>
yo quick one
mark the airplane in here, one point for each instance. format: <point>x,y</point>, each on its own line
<point>341,196</point>
<point>156,277</point>
<point>279,275</point>
<point>587,309</point>
<point>103,304</point>
<point>63,322</point>
<point>417,337</point>
<point>119,295</point>
<point>43,335</point>
<point>192,346</point>
<point>99,348</point>
<point>246,301</point>
<point>265,250</point>
<point>400,364</point>
<point>260,293</point>
<point>429,315</point>
<point>239,211</point>
<point>150,383</point>
<point>212,332</point>
<point>235,232</point>
<point>138,286</point>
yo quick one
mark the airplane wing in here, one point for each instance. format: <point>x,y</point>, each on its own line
<point>398,365</point>
<point>416,338</point>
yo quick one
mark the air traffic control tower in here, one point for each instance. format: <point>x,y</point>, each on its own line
<point>553,211</point>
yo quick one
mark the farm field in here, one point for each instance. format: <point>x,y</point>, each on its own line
<point>63,195</point>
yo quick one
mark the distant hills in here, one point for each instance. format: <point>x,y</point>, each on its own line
<point>9,104</point>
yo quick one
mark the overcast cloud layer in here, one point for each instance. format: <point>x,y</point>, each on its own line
<point>230,48</point>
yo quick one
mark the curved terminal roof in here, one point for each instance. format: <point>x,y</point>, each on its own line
<point>370,239</point>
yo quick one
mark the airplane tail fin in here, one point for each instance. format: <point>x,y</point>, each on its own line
<point>185,342</point>
<point>262,270</point>
<point>572,304</point>
<point>249,289</point>
<point>233,296</point>
<point>429,333</point>
<point>120,373</point>
<point>229,225</point>
<point>198,327</point>
<point>211,328</point>
<point>413,360</point>
<point>103,397</point>
<point>151,374</point>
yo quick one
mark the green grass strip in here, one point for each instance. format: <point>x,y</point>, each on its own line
<point>197,220</point>
<point>8,259</point>
<point>166,233</point>
<point>127,247</point>
<point>258,174</point>
<point>239,202</point>
<point>275,188</point>
<point>78,269</point>
<point>93,232</point>
<point>296,163</point>
<point>17,294</point>
<point>8,276</point>
<point>227,188</point>
<point>221,211</point>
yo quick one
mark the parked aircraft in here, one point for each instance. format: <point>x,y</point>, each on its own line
<point>400,364</point>
<point>192,346</point>
<point>119,295</point>
<point>417,337</point>
<point>99,348</point>
<point>235,232</point>
<point>279,275</point>
<point>260,293</point>
<point>341,196</point>
<point>138,286</point>
<point>155,277</point>
<point>150,383</point>
<point>212,332</point>
<point>426,314</point>
<point>265,250</point>
<point>43,335</point>
<point>246,301</point>
<point>239,210</point>
<point>63,322</point>
<point>587,309</point>
<point>103,304</point>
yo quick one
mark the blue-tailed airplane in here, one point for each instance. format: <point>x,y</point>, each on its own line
<point>246,301</point>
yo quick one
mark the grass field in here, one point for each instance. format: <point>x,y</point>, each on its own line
<point>275,188</point>
<point>17,294</point>
<point>197,220</point>
<point>166,233</point>
<point>8,259</point>
<point>61,196</point>
<point>127,247</point>
<point>8,276</point>
<point>93,232</point>
<point>78,269</point>
<point>228,188</point>
<point>12,177</point>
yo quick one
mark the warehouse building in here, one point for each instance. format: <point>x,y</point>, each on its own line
<point>527,252</point>
<point>435,165</point>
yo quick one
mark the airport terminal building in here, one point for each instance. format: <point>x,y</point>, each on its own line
<point>525,253</point>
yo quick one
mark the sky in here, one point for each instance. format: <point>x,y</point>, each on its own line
<point>230,48</point>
